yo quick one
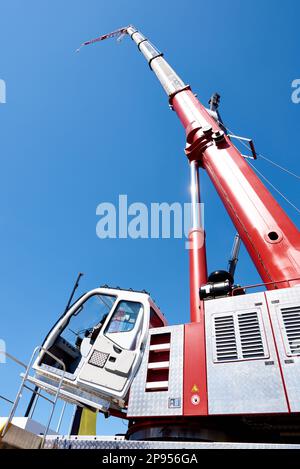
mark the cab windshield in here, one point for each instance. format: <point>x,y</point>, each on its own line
<point>89,316</point>
<point>79,333</point>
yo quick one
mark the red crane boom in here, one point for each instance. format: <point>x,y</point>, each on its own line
<point>270,237</point>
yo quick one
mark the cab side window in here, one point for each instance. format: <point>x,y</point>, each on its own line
<point>124,317</point>
<point>125,324</point>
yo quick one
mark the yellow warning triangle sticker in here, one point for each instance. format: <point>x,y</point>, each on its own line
<point>195,388</point>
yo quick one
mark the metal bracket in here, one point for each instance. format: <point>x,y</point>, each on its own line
<point>250,141</point>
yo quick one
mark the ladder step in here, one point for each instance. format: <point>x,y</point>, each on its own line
<point>158,365</point>
<point>159,347</point>
<point>157,385</point>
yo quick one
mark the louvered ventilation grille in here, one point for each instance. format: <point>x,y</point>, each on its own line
<point>239,337</point>
<point>158,363</point>
<point>250,334</point>
<point>291,321</point>
<point>226,348</point>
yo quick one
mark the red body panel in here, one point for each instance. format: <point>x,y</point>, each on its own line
<point>278,357</point>
<point>194,370</point>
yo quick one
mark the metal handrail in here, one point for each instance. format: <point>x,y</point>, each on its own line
<point>23,385</point>
<point>16,360</point>
<point>263,284</point>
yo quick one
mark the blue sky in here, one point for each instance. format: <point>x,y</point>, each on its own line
<point>80,129</point>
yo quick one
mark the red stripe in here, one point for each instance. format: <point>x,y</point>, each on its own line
<point>278,357</point>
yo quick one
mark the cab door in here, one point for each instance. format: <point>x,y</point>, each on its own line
<point>117,351</point>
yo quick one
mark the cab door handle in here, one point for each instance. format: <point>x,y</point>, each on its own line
<point>117,350</point>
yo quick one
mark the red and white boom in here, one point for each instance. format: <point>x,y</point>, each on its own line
<point>270,237</point>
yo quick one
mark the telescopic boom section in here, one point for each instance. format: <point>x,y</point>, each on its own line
<point>270,237</point>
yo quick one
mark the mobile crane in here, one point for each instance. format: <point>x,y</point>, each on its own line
<point>233,372</point>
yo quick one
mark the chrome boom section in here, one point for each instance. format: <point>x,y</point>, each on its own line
<point>168,78</point>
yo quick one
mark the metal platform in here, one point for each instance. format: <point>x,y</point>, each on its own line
<point>19,438</point>
<point>112,443</point>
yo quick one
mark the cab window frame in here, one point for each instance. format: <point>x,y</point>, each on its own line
<point>139,322</point>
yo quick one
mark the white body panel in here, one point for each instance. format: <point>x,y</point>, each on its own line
<point>287,334</point>
<point>160,397</point>
<point>241,382</point>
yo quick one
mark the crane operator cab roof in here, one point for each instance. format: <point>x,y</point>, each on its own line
<point>100,340</point>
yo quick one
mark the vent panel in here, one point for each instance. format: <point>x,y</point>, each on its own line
<point>226,348</point>
<point>239,336</point>
<point>250,334</point>
<point>291,323</point>
<point>157,379</point>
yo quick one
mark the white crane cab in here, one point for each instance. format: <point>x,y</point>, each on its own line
<point>101,341</point>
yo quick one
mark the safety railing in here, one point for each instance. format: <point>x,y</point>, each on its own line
<point>35,391</point>
<point>236,290</point>
<point>18,362</point>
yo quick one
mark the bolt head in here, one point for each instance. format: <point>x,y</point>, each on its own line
<point>218,135</point>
